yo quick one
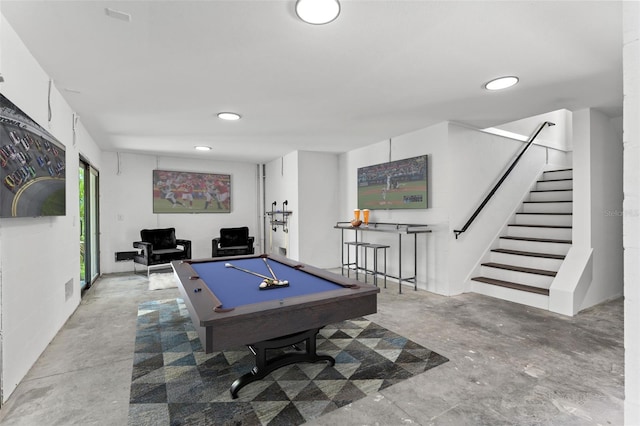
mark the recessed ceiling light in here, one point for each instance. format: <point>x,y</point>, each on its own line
<point>203,148</point>
<point>230,116</point>
<point>501,83</point>
<point>317,12</point>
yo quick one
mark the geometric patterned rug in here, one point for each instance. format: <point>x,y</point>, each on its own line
<point>175,383</point>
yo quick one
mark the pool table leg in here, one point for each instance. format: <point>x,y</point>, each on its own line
<point>265,366</point>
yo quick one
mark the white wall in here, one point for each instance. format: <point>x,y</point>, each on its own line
<point>318,187</point>
<point>309,182</point>
<point>2,398</point>
<point>463,166</point>
<point>432,251</point>
<point>34,303</point>
<point>581,180</point>
<point>597,216</point>
<point>631,218</point>
<point>478,160</point>
<point>606,211</point>
<point>559,136</point>
<point>281,184</point>
<point>126,204</point>
<point>592,271</point>
<point>319,243</point>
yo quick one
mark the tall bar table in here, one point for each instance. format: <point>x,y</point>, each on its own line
<point>396,228</point>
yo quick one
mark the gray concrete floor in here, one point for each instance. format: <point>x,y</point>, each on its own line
<point>509,364</point>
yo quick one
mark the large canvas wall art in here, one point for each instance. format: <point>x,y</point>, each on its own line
<point>188,192</point>
<point>400,184</point>
<point>32,166</point>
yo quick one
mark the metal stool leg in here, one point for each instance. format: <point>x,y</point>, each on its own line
<point>376,255</point>
<point>385,267</point>
<point>357,265</point>
<point>365,264</point>
<point>348,262</point>
<point>375,267</point>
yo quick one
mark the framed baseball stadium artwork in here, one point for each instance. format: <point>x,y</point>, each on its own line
<point>400,184</point>
<point>188,192</point>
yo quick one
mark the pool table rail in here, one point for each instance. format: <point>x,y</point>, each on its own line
<point>257,322</point>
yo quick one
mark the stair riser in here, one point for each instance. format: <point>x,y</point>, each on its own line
<point>530,232</point>
<point>534,246</point>
<point>555,207</point>
<point>526,261</point>
<point>552,196</point>
<point>544,219</point>
<point>563,174</point>
<point>548,185</point>
<point>534,280</point>
<point>525,298</point>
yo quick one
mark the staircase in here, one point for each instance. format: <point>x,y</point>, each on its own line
<point>528,257</point>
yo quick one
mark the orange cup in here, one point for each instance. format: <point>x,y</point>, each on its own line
<point>356,214</point>
<point>365,216</point>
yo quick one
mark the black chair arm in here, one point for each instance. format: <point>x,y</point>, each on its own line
<point>147,248</point>
<point>187,246</point>
<point>215,245</point>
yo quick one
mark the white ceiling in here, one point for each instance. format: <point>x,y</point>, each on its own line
<point>383,68</point>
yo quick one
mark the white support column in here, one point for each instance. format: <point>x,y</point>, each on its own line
<point>631,209</point>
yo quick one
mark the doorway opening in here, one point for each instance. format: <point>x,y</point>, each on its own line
<point>89,220</point>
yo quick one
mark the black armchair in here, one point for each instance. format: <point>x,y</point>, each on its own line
<point>160,246</point>
<point>232,242</point>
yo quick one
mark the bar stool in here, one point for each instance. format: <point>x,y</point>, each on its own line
<point>375,271</point>
<point>356,244</point>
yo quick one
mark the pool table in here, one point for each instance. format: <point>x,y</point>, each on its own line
<point>228,308</point>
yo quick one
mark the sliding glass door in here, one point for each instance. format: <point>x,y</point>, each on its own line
<point>89,224</point>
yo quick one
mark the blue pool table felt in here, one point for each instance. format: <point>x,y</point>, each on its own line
<point>236,288</point>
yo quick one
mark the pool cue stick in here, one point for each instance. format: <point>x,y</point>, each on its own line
<point>269,268</point>
<point>229,265</point>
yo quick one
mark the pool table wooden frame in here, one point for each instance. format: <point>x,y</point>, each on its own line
<point>257,322</point>
<point>273,324</point>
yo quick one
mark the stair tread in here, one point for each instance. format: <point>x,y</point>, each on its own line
<point>559,170</point>
<point>541,226</point>
<point>544,202</point>
<point>515,286</point>
<point>529,253</point>
<point>524,287</point>
<point>564,214</point>
<point>520,269</point>
<point>540,240</point>
<point>555,180</point>
<point>550,190</point>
